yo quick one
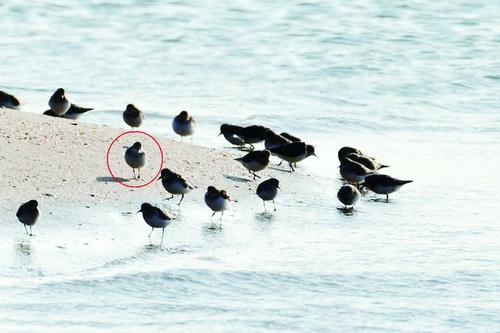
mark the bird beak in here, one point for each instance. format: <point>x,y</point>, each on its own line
<point>315,155</point>
<point>219,134</point>
<point>279,188</point>
<point>139,211</point>
<point>158,178</point>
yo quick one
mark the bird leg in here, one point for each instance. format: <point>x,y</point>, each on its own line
<point>387,198</point>
<point>134,172</point>
<point>254,175</point>
<point>221,214</point>
<point>264,202</point>
<point>149,236</point>
<point>31,232</point>
<point>162,233</point>
<point>274,206</point>
<point>291,167</point>
<point>139,171</point>
<point>170,197</point>
<point>213,214</point>
<point>182,198</point>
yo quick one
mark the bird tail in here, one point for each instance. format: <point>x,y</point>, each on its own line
<point>384,166</point>
<point>402,182</point>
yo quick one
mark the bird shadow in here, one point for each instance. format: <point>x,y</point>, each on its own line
<point>24,248</point>
<point>237,179</point>
<point>280,169</point>
<point>347,211</point>
<point>264,217</point>
<point>383,200</point>
<point>107,179</point>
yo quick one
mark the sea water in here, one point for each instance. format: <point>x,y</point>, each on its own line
<point>414,83</point>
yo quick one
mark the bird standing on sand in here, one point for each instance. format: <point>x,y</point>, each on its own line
<point>74,112</point>
<point>249,135</point>
<point>58,103</point>
<point>183,124</point>
<point>8,101</point>
<point>267,191</point>
<point>174,184</point>
<point>383,184</point>
<point>28,214</point>
<point>353,172</point>
<point>348,195</point>
<point>294,152</point>
<point>155,218</point>
<point>135,158</point>
<point>218,201</point>
<point>132,116</point>
<point>255,161</point>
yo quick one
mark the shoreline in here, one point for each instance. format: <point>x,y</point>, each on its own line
<point>57,160</point>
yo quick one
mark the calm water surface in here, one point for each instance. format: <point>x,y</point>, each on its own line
<point>415,84</point>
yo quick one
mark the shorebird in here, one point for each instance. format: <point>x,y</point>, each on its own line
<point>344,151</point>
<point>218,201</point>
<point>348,195</point>
<point>383,184</point>
<point>135,158</point>
<point>294,152</point>
<point>290,137</point>
<point>28,214</point>
<point>255,161</point>
<point>353,172</point>
<point>174,184</point>
<point>132,116</point>
<point>8,101</point>
<point>155,218</point>
<point>368,162</point>
<point>273,140</point>
<point>229,132</point>
<point>74,112</point>
<point>183,124</point>
<point>58,102</point>
<point>267,191</point>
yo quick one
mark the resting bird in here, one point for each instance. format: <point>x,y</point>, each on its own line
<point>132,116</point>
<point>353,172</point>
<point>8,101</point>
<point>183,124</point>
<point>74,112</point>
<point>135,158</point>
<point>28,214</point>
<point>218,201</point>
<point>348,195</point>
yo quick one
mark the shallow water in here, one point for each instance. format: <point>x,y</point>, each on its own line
<point>415,84</point>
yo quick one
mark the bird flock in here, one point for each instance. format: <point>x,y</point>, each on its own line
<point>358,171</point>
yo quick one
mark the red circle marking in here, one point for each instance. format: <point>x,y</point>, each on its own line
<point>161,159</point>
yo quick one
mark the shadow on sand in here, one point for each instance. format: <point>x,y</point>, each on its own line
<point>108,179</point>
<point>237,179</point>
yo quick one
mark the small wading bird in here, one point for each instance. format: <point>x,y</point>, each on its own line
<point>383,184</point>
<point>28,214</point>
<point>348,195</point>
<point>268,190</point>
<point>174,184</point>
<point>255,161</point>
<point>135,158</point>
<point>273,140</point>
<point>229,132</point>
<point>218,201</point>
<point>183,124</point>
<point>132,116</point>
<point>58,103</point>
<point>155,218</point>
<point>74,112</point>
<point>294,152</point>
<point>353,172</point>
<point>8,101</point>
<point>249,135</point>
<point>290,137</point>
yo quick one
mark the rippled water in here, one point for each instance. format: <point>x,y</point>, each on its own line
<point>414,83</point>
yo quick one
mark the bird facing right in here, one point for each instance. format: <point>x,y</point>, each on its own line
<point>135,158</point>
<point>28,214</point>
<point>268,190</point>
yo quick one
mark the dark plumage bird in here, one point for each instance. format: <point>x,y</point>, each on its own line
<point>135,158</point>
<point>174,184</point>
<point>230,134</point>
<point>155,218</point>
<point>249,135</point>
<point>368,162</point>
<point>273,140</point>
<point>344,151</point>
<point>348,195</point>
<point>383,184</point>
<point>218,201</point>
<point>353,172</point>
<point>74,112</point>
<point>28,214</point>
<point>58,102</point>
<point>255,161</point>
<point>8,101</point>
<point>267,191</point>
<point>132,116</point>
<point>183,124</point>
<point>290,137</point>
<point>294,152</point>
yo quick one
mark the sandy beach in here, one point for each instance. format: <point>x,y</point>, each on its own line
<point>59,161</point>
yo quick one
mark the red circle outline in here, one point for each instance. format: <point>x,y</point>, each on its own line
<point>161,159</point>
